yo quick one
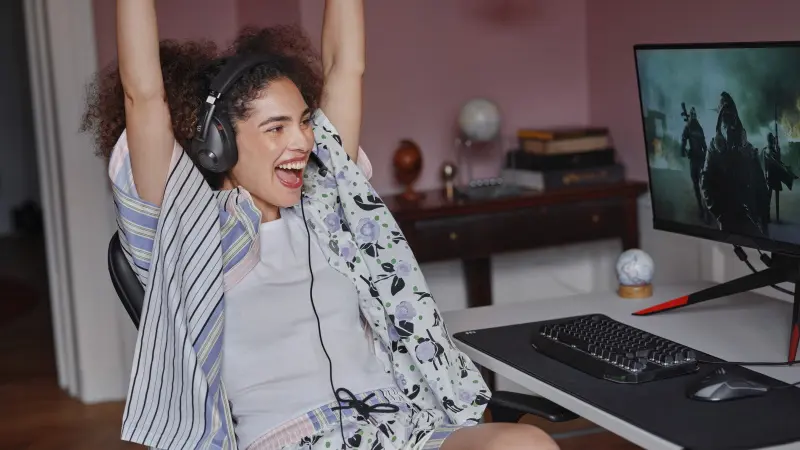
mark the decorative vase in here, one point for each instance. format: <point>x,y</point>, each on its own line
<point>407,163</point>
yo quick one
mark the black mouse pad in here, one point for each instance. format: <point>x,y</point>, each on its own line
<point>659,407</point>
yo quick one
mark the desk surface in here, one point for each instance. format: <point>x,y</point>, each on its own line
<point>745,327</point>
<point>435,204</point>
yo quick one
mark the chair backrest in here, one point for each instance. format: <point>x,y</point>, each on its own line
<point>127,285</point>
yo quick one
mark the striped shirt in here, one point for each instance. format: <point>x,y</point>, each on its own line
<point>200,242</point>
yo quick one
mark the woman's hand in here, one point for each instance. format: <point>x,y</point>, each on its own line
<point>147,119</point>
<point>343,56</point>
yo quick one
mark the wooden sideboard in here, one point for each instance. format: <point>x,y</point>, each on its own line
<point>438,229</point>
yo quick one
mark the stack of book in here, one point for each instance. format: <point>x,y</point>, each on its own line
<point>562,158</point>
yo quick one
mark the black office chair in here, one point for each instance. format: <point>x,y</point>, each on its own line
<point>127,285</point>
<point>504,406</point>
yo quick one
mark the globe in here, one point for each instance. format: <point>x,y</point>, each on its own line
<point>635,268</point>
<point>479,120</point>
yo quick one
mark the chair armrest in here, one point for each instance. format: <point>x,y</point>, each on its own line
<point>508,406</point>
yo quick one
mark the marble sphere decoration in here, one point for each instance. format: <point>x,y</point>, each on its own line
<point>635,271</point>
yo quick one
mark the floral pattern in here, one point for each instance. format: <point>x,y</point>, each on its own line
<point>404,321</point>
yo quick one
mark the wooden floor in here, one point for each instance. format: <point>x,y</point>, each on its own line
<point>36,415</point>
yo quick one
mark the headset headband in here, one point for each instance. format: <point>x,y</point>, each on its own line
<point>231,71</point>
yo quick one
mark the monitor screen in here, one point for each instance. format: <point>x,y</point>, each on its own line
<point>722,136</point>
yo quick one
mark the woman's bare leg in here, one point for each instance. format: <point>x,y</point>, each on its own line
<point>499,436</point>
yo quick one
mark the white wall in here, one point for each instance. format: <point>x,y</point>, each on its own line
<point>87,312</point>
<point>18,179</point>
<point>572,269</point>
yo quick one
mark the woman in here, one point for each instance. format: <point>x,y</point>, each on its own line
<point>331,339</point>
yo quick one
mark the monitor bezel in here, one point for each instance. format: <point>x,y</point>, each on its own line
<point>762,244</point>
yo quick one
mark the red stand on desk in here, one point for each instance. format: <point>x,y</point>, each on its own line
<point>782,269</point>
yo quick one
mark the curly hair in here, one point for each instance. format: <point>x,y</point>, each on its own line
<point>188,69</point>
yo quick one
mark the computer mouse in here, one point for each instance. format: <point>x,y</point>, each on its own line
<point>722,386</point>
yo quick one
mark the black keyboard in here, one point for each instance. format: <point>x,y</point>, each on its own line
<point>611,350</point>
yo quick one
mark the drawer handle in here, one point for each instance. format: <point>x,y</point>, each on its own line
<point>453,236</point>
<point>595,218</point>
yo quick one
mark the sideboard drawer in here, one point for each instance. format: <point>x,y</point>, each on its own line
<point>480,235</point>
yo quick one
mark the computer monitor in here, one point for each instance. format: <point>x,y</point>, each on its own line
<point>722,137</point>
<point>721,125</point>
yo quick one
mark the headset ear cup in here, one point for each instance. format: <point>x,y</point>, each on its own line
<point>218,153</point>
<point>230,152</point>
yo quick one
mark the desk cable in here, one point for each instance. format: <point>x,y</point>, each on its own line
<point>764,259</point>
<point>751,363</point>
<point>795,384</point>
<point>767,261</point>
<point>350,401</point>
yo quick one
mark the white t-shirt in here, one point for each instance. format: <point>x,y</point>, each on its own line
<point>274,367</point>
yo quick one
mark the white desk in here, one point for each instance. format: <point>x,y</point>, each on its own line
<point>745,327</point>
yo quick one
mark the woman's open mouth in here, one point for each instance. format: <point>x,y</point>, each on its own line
<point>290,173</point>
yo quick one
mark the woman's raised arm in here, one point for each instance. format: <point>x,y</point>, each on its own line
<point>343,56</point>
<point>147,119</point>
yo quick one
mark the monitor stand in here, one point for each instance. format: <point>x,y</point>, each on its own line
<point>782,269</point>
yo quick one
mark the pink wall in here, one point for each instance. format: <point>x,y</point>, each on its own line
<point>614,26</point>
<point>544,62</point>
<point>266,13</point>
<point>177,19</point>
<point>196,19</point>
<point>424,60</point>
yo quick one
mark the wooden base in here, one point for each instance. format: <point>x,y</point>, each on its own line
<point>410,195</point>
<point>643,291</point>
<point>450,192</point>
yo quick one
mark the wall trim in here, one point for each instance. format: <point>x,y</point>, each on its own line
<point>50,188</point>
<point>77,205</point>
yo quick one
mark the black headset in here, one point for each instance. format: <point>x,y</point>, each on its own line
<point>214,143</point>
